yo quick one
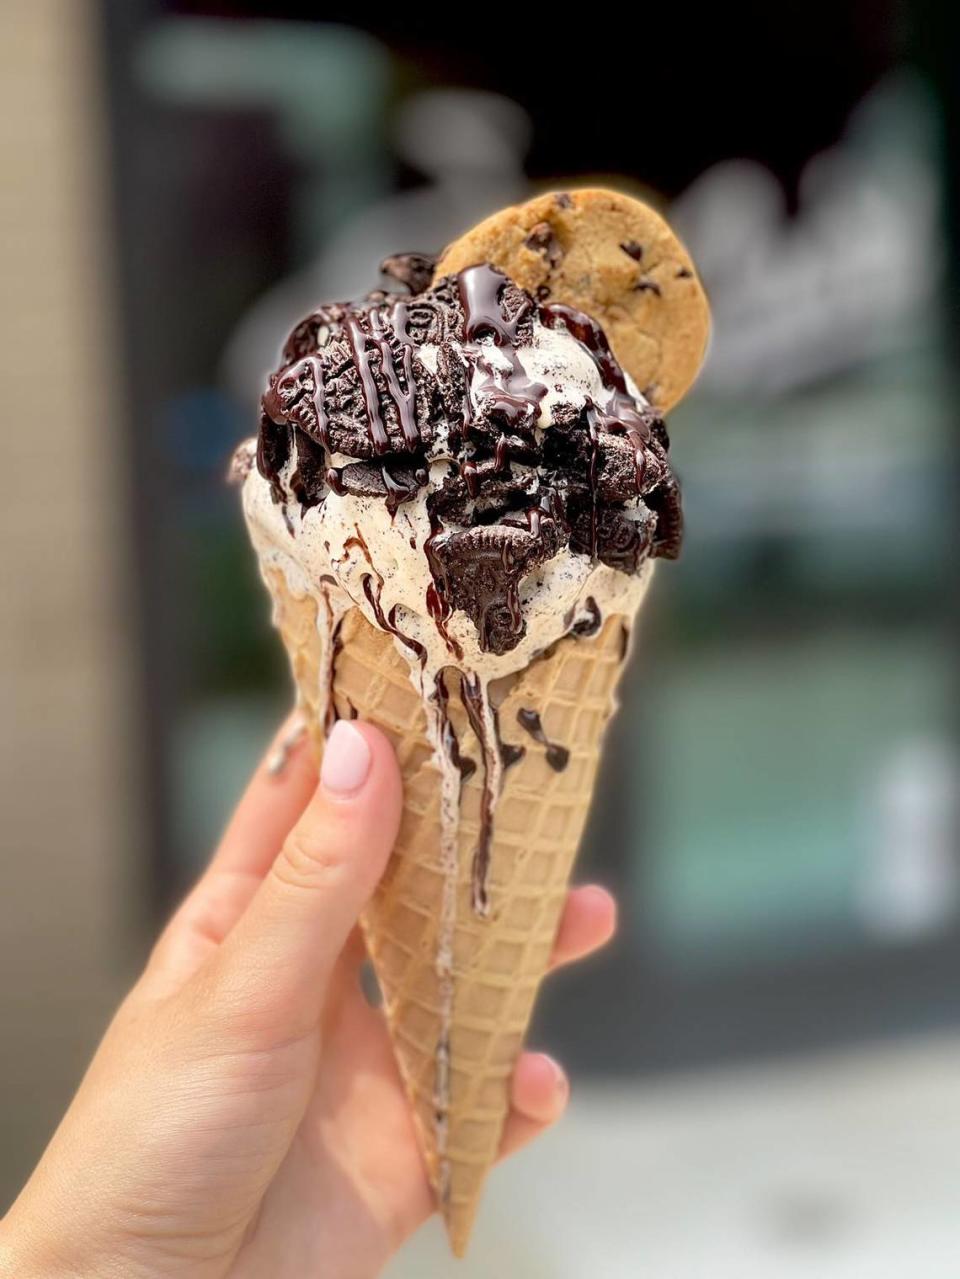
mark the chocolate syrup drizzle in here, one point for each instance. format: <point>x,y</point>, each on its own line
<point>388,622</point>
<point>473,696</point>
<point>558,757</point>
<point>509,754</point>
<point>621,416</point>
<point>502,383</point>
<point>331,715</point>
<point>438,591</point>
<point>451,745</point>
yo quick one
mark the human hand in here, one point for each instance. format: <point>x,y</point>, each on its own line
<point>243,1115</point>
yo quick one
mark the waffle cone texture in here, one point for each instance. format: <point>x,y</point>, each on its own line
<point>499,960</point>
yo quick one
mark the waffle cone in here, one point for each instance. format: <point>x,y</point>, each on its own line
<point>500,960</point>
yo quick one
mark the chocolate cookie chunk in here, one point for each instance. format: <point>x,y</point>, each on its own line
<point>414,270</point>
<point>614,258</point>
<point>483,568</point>
<point>391,480</point>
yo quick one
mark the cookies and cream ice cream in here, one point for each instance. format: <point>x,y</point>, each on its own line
<point>468,467</point>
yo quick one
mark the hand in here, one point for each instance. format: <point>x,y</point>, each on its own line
<point>243,1115</point>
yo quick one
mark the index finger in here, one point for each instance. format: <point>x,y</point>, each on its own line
<point>271,805</point>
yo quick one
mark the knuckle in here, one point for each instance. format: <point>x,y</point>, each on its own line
<point>230,1010</point>
<point>310,861</point>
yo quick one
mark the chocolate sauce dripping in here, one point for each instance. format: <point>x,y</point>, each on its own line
<point>448,735</point>
<point>501,455</point>
<point>509,392</point>
<point>414,645</point>
<point>273,408</point>
<point>368,386</point>
<point>440,612</point>
<point>360,542</point>
<point>548,507</point>
<point>438,591</point>
<point>509,754</point>
<point>558,757</point>
<point>331,714</point>
<point>299,491</point>
<point>405,400</point>
<point>621,415</point>
<point>441,1103</point>
<point>591,336</point>
<point>334,481</point>
<point>590,416</point>
<point>388,622</point>
<point>397,492</point>
<point>534,518</point>
<point>472,696</point>
<point>480,288</point>
<point>323,426</point>
<point>625,420</point>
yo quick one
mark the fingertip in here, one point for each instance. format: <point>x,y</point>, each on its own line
<point>541,1088</point>
<point>602,907</point>
<point>360,767</point>
<point>588,922</point>
<point>279,791</point>
<point>351,822</point>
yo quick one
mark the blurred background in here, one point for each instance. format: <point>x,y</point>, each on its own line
<point>767,1064</point>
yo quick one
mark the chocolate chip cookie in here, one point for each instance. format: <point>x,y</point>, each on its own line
<point>614,258</point>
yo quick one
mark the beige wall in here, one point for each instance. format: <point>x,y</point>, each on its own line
<point>67,881</point>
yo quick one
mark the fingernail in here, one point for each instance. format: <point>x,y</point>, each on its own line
<point>561,1084</point>
<point>346,759</point>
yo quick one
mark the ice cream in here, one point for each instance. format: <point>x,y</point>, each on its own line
<point>466,467</point>
<point>470,469</point>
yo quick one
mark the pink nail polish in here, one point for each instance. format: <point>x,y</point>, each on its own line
<point>346,760</point>
<point>560,1082</point>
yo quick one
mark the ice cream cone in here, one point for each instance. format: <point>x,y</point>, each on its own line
<point>457,495</point>
<point>456,1049</point>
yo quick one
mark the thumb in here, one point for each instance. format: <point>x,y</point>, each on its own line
<point>273,968</point>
